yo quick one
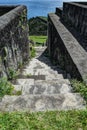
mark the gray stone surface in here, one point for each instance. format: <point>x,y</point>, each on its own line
<point>25,81</point>
<point>40,102</point>
<point>54,93</point>
<point>65,48</point>
<point>75,14</point>
<point>46,88</point>
<point>14,42</point>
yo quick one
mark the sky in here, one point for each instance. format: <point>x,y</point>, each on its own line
<point>36,0</point>
<point>34,8</point>
<point>15,1</point>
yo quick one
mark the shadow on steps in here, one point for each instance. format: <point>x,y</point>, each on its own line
<point>45,58</point>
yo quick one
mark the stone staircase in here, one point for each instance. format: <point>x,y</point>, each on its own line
<point>45,88</point>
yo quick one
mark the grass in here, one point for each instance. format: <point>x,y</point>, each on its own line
<point>52,120</point>
<point>32,52</point>
<point>6,87</point>
<point>28,75</point>
<point>56,120</point>
<point>39,40</point>
<point>12,74</point>
<point>81,87</point>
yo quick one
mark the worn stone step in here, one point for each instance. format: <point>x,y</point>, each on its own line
<point>54,77</point>
<point>46,88</point>
<point>40,48</point>
<point>24,81</point>
<point>39,71</point>
<point>42,102</point>
<point>36,63</point>
<point>41,65</point>
<point>48,73</point>
<point>34,77</point>
<point>52,82</point>
<point>18,87</point>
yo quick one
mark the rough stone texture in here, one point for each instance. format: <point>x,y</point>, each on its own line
<point>76,14</point>
<point>65,49</point>
<point>14,44</point>
<point>41,102</point>
<point>42,95</point>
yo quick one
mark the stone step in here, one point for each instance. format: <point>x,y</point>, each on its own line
<point>39,71</point>
<point>40,48</point>
<point>48,75</point>
<point>55,81</point>
<point>54,77</point>
<point>45,88</point>
<point>31,86</point>
<point>18,87</point>
<point>40,79</point>
<point>24,82</point>
<point>42,102</point>
<point>34,77</point>
<point>36,63</point>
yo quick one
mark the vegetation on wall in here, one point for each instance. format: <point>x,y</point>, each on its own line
<point>32,52</point>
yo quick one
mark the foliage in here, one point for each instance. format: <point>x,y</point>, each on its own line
<point>12,74</point>
<point>43,17</point>
<point>20,65</point>
<point>37,27</point>
<point>18,92</point>
<point>53,120</point>
<point>39,40</point>
<point>81,87</point>
<point>28,75</point>
<point>32,52</point>
<point>14,92</point>
<point>6,87</point>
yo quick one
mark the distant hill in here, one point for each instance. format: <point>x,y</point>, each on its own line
<point>38,26</point>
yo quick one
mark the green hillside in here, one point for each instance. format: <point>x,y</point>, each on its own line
<point>38,26</point>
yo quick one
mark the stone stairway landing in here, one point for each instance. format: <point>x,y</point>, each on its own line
<point>53,92</point>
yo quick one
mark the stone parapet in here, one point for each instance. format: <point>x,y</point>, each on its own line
<point>65,49</point>
<point>76,14</point>
<point>14,44</point>
<point>59,12</point>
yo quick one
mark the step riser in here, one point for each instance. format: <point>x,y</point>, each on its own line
<point>42,103</point>
<point>45,89</point>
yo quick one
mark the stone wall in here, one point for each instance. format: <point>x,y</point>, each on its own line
<point>59,11</point>
<point>14,44</point>
<point>65,49</point>
<point>76,14</point>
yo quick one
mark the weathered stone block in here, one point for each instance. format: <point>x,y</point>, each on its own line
<point>65,49</point>
<point>76,14</point>
<point>14,44</point>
